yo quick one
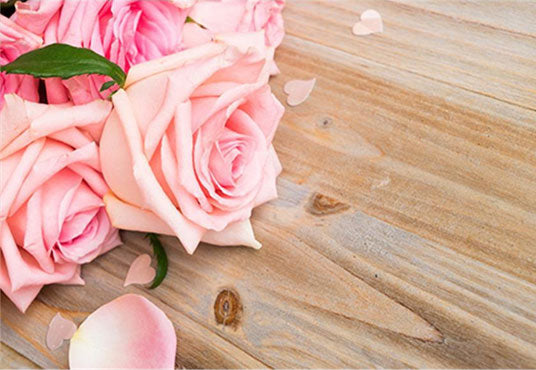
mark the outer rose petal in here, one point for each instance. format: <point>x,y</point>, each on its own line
<point>128,217</point>
<point>194,35</point>
<point>183,3</point>
<point>129,332</point>
<point>34,15</point>
<point>22,297</point>
<point>152,193</point>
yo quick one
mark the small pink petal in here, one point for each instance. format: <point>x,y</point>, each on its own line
<point>128,333</point>
<point>140,271</point>
<point>371,22</point>
<point>59,329</point>
<point>298,91</point>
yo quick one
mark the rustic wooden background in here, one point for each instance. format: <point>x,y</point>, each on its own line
<point>405,232</point>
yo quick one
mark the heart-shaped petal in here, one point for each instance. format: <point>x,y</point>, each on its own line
<point>140,271</point>
<point>298,91</point>
<point>59,329</point>
<point>371,22</point>
<point>128,333</point>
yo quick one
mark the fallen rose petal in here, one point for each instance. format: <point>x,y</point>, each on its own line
<point>140,271</point>
<point>129,332</point>
<point>371,22</point>
<point>59,329</point>
<point>298,91</point>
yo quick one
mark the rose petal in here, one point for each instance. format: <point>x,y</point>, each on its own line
<point>35,15</point>
<point>153,194</point>
<point>140,271</point>
<point>129,332</point>
<point>23,297</point>
<point>298,91</point>
<point>16,179</point>
<point>59,329</point>
<point>371,22</point>
<point>127,217</point>
<point>172,62</point>
<point>23,270</point>
<point>57,118</point>
<point>193,35</point>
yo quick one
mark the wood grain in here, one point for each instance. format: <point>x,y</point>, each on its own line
<point>9,359</point>
<point>405,231</point>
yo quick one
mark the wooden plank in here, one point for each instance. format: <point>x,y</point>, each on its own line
<point>457,175</point>
<point>9,359</point>
<point>509,15</point>
<point>427,44</point>
<point>404,234</point>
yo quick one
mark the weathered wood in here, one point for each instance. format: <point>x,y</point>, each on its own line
<point>406,228</point>
<point>9,359</point>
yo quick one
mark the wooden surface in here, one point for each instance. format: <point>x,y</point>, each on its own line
<point>405,232</point>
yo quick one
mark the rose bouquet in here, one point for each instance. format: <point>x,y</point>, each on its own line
<point>152,116</point>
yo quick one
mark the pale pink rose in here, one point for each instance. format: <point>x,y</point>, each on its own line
<point>188,147</point>
<point>52,216</point>
<point>14,41</point>
<point>127,32</point>
<point>222,16</point>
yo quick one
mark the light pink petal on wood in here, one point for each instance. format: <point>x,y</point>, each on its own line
<point>140,271</point>
<point>298,91</point>
<point>371,22</point>
<point>59,329</point>
<point>129,332</point>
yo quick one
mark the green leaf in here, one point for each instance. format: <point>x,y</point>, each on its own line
<point>107,85</point>
<point>64,61</point>
<point>161,258</point>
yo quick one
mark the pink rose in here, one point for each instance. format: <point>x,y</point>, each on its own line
<point>34,15</point>
<point>52,217</point>
<point>127,32</point>
<point>188,147</point>
<point>223,16</point>
<point>14,41</point>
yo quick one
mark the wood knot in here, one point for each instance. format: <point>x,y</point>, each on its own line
<point>325,122</point>
<point>321,205</point>
<point>227,308</point>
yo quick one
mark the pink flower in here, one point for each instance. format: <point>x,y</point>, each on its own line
<point>34,15</point>
<point>189,146</point>
<point>222,16</point>
<point>14,41</point>
<point>128,333</point>
<point>52,217</point>
<point>127,32</point>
